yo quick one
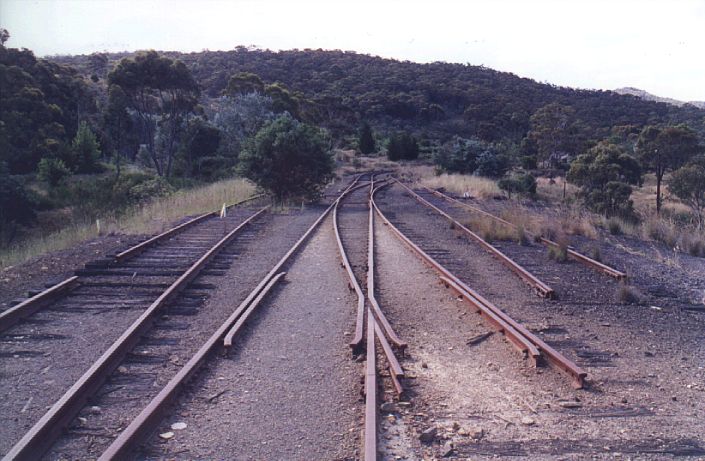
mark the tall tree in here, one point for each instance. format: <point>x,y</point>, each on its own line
<point>244,83</point>
<point>162,93</point>
<point>554,133</point>
<point>688,184</point>
<point>664,149</point>
<point>366,140</point>
<point>117,122</point>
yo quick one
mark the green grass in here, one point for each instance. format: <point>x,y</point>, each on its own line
<point>152,217</point>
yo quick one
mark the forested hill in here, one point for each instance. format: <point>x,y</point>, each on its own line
<point>340,89</point>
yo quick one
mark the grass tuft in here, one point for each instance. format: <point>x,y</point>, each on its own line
<point>628,294</point>
<point>559,253</point>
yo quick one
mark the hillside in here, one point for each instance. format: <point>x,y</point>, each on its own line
<point>652,97</point>
<point>339,89</point>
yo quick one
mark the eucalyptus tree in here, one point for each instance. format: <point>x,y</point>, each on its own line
<point>664,149</point>
<point>162,93</point>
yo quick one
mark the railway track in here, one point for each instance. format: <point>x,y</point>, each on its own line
<point>165,255</point>
<point>428,193</point>
<point>128,385</point>
<point>452,273</point>
<point>358,257</point>
<point>541,288</point>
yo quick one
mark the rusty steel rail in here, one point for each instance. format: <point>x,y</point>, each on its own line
<point>517,332</point>
<point>12,316</point>
<point>572,253</point>
<point>140,247</point>
<point>31,305</point>
<point>370,440</point>
<point>371,281</point>
<point>43,434</point>
<point>356,342</point>
<point>142,426</point>
<point>541,288</point>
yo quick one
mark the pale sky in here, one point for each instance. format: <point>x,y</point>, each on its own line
<point>657,46</point>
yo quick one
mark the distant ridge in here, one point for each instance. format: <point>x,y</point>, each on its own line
<point>651,97</point>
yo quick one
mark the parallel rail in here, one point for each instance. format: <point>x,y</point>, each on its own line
<point>144,424</point>
<point>589,262</point>
<point>518,335</point>
<point>541,288</point>
<point>43,434</point>
<point>375,333</point>
<point>29,306</point>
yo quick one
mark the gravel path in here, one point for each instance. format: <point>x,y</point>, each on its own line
<point>289,389</point>
<point>645,393</point>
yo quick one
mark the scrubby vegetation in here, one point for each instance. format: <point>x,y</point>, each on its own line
<point>83,137</point>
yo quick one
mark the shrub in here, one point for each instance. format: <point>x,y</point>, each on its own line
<point>459,155</point>
<point>52,171</point>
<point>521,184</point>
<point>402,146</point>
<point>492,164</point>
<point>86,151</point>
<point>288,158</point>
<point>528,162</point>
<point>16,206</point>
<point>366,141</point>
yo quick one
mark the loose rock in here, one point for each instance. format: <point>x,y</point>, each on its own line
<point>428,435</point>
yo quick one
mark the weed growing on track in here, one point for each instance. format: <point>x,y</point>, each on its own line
<point>595,253</point>
<point>628,294</point>
<point>559,253</point>
<point>152,217</point>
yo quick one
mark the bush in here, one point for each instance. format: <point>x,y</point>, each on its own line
<point>288,158</point>
<point>402,146</point>
<point>16,206</point>
<point>52,171</point>
<point>459,155</point>
<point>492,164</point>
<point>93,196</point>
<point>521,184</point>
<point>86,151</point>
<point>528,162</point>
<point>366,141</point>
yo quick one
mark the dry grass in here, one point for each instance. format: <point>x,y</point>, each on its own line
<point>628,294</point>
<point>150,218</point>
<point>474,186</point>
<point>552,190</point>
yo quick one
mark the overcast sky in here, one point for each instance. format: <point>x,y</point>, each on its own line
<point>658,46</point>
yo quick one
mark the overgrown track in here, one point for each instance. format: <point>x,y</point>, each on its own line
<point>525,341</point>
<point>572,253</point>
<point>541,288</point>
